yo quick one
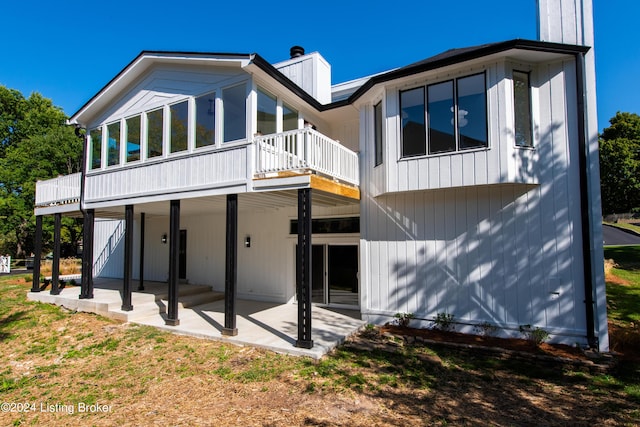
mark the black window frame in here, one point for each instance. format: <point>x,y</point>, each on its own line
<point>455,117</point>
<point>378,134</point>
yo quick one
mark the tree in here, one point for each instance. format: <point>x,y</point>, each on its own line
<point>620,164</point>
<point>35,144</point>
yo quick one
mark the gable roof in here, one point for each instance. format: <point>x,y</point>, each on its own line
<point>450,57</point>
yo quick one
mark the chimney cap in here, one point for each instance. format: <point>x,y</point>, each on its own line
<point>296,51</point>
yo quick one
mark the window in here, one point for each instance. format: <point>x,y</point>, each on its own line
<point>413,129</point>
<point>267,111</point>
<point>289,118</point>
<point>205,120</point>
<point>522,107</point>
<point>133,139</point>
<point>472,112</point>
<point>442,136</point>
<point>95,162</point>
<point>329,225</point>
<point>234,112</point>
<point>113,144</point>
<point>179,126</point>
<point>155,126</point>
<point>377,130</point>
<point>456,117</point>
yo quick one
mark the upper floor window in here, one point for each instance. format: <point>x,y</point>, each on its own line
<point>95,135</point>
<point>377,131</point>
<point>267,113</point>
<point>113,144</point>
<point>205,120</point>
<point>289,118</point>
<point>235,113</point>
<point>179,126</point>
<point>457,117</point>
<point>522,109</point>
<point>413,128</point>
<point>155,130</point>
<point>133,138</point>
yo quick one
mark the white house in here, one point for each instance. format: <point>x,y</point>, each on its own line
<point>465,184</point>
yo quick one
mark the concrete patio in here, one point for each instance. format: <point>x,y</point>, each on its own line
<point>266,325</point>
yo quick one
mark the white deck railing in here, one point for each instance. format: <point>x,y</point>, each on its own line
<point>305,149</point>
<point>60,190</point>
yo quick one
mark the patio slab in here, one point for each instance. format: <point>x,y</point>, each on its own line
<point>272,326</point>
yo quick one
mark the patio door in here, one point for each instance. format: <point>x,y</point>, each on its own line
<point>334,274</point>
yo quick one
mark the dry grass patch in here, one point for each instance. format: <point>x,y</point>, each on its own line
<point>149,377</point>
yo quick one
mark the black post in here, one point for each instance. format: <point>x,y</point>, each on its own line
<point>86,289</point>
<point>55,273</point>
<point>303,269</point>
<point>231,267</point>
<point>174,248</point>
<point>128,258</point>
<point>141,283</point>
<point>37,255</point>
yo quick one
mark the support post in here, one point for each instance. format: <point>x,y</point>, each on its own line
<point>141,283</point>
<point>128,258</point>
<point>86,291</point>
<point>174,247</point>
<point>231,267</point>
<point>55,268</point>
<point>303,269</point>
<point>37,255</point>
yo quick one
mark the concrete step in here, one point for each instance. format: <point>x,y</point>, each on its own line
<point>193,300</point>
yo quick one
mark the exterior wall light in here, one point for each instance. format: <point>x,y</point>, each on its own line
<point>247,242</point>
<point>164,238</point>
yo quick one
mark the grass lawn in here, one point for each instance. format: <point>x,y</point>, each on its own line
<point>57,364</point>
<point>625,225</point>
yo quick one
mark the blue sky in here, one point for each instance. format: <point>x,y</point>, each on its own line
<point>69,49</point>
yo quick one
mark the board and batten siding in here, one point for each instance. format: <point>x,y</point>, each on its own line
<point>484,248</point>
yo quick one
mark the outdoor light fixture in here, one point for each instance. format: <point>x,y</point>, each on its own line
<point>164,238</point>
<point>247,242</point>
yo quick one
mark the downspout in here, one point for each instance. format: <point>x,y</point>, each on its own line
<point>583,166</point>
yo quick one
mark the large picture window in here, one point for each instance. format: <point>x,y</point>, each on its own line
<point>155,127</point>
<point>133,139</point>
<point>96,148</point>
<point>179,126</point>
<point>113,144</point>
<point>456,112</point>
<point>522,106</point>
<point>205,120</point>
<point>235,113</point>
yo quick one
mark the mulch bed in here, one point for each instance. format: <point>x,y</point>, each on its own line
<point>559,354</point>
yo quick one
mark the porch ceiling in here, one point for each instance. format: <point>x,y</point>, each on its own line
<point>218,204</point>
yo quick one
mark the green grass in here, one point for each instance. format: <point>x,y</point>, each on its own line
<point>624,299</point>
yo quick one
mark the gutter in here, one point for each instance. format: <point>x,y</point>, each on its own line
<point>583,166</point>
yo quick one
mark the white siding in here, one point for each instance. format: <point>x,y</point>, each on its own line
<point>216,169</point>
<point>108,248</point>
<point>493,235</point>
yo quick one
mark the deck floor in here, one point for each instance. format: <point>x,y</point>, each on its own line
<point>267,325</point>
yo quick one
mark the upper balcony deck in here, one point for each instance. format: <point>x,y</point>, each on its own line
<point>279,158</point>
